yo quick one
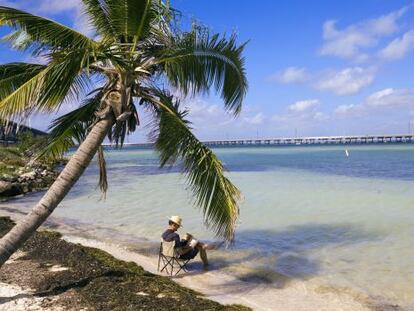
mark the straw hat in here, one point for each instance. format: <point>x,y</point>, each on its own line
<point>176,219</point>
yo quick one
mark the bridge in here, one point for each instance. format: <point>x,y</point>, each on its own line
<point>316,140</point>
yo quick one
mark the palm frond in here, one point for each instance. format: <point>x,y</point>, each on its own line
<point>70,129</point>
<point>130,19</point>
<point>103,179</point>
<point>13,75</point>
<point>125,127</point>
<point>215,194</point>
<point>196,61</point>
<point>99,16</point>
<point>63,78</point>
<point>38,32</point>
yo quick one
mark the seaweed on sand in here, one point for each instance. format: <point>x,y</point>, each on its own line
<point>96,280</point>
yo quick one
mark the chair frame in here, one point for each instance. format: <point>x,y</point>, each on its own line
<point>168,262</point>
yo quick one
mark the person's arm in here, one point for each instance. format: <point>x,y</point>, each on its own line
<point>173,236</point>
<point>181,243</point>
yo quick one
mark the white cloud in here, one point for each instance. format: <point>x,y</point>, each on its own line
<point>303,114</point>
<point>399,47</point>
<point>352,42</point>
<point>290,75</point>
<point>58,6</point>
<point>380,101</point>
<point>391,98</point>
<point>51,8</point>
<point>203,115</point>
<point>344,109</point>
<point>256,119</point>
<point>304,105</point>
<point>347,81</point>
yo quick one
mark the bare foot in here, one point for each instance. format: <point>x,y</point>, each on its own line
<point>216,245</point>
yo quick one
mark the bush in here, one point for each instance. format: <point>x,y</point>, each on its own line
<point>28,143</point>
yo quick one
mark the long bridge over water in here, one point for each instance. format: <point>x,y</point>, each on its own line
<point>315,140</point>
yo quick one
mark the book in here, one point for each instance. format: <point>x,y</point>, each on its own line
<point>193,242</point>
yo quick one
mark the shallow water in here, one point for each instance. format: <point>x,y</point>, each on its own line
<point>309,213</point>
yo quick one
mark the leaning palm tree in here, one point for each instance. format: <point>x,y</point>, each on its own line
<point>124,70</point>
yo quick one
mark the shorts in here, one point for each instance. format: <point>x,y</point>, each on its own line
<point>190,254</point>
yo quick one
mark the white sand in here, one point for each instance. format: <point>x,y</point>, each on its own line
<point>15,298</point>
<point>224,288</point>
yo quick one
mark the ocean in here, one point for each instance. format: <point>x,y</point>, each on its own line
<point>309,213</point>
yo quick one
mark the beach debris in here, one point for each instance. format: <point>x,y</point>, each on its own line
<point>15,257</point>
<point>142,294</point>
<point>58,268</point>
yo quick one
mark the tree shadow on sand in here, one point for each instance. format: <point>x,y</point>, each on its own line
<point>277,257</point>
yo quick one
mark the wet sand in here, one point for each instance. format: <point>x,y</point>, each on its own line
<point>225,288</point>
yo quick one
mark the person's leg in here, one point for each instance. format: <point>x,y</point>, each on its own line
<point>203,254</point>
<point>211,246</point>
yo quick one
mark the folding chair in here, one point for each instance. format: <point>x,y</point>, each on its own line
<point>169,257</point>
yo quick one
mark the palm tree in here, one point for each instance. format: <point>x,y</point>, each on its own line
<point>125,69</point>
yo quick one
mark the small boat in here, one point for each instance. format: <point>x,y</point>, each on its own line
<point>346,153</point>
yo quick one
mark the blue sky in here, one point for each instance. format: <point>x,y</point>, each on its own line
<point>314,67</point>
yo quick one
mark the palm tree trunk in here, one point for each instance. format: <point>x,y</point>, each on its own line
<point>67,178</point>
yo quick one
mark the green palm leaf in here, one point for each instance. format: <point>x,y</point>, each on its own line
<point>130,18</point>
<point>196,61</point>
<point>214,193</point>
<point>98,13</point>
<point>70,129</point>
<point>13,75</point>
<point>39,32</point>
<point>62,79</point>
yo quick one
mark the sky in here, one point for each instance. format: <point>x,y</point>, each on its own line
<point>315,68</point>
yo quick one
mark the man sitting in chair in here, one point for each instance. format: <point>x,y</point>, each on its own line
<point>185,247</point>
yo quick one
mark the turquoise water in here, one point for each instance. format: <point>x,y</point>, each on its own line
<point>308,213</point>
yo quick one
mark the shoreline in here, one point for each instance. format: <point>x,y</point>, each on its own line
<point>228,289</point>
<point>48,273</point>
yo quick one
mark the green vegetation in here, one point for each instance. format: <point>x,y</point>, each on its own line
<point>30,144</point>
<point>11,159</point>
<point>17,159</point>
<point>19,173</point>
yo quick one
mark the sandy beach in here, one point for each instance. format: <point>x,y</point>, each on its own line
<point>291,295</point>
<point>221,288</point>
<point>227,289</point>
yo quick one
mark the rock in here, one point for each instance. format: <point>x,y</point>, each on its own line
<point>30,175</point>
<point>13,179</point>
<point>25,187</point>
<point>4,186</point>
<point>7,177</point>
<point>8,189</point>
